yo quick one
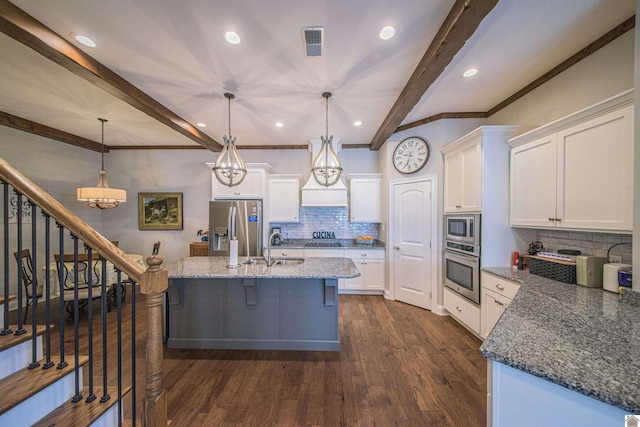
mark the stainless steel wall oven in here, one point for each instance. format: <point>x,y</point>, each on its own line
<point>462,255</point>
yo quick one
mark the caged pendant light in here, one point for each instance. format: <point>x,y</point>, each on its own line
<point>229,167</point>
<point>326,166</point>
<point>101,196</point>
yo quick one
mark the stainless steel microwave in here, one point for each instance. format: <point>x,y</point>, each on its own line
<point>462,228</point>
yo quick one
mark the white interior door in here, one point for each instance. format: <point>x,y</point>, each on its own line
<point>412,229</point>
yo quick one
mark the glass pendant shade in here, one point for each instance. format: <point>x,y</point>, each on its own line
<point>326,168</point>
<point>101,196</point>
<point>229,168</point>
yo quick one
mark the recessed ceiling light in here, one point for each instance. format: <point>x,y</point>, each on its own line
<point>357,123</point>
<point>84,40</point>
<point>232,37</point>
<point>201,125</point>
<point>279,124</point>
<point>470,72</point>
<point>387,32</point>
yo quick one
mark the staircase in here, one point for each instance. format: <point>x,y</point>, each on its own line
<point>72,362</point>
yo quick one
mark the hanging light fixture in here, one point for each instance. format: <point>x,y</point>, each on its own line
<point>101,196</point>
<point>326,166</point>
<point>229,167</point>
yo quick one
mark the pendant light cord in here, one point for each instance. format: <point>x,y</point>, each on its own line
<point>229,116</point>
<point>102,147</point>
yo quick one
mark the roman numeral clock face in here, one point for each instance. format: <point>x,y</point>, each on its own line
<point>411,155</point>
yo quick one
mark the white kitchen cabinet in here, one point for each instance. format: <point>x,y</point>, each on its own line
<point>463,176</point>
<point>576,173</point>
<point>283,198</point>
<point>252,187</point>
<point>496,295</point>
<point>464,311</point>
<point>324,252</point>
<point>364,195</point>
<point>370,263</point>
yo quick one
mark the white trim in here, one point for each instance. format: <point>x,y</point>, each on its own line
<point>435,243</point>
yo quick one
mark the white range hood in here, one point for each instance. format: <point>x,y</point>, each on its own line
<point>314,194</point>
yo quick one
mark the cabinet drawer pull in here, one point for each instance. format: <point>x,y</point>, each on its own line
<point>284,254</point>
<point>458,308</point>
<point>499,286</point>
<point>458,206</point>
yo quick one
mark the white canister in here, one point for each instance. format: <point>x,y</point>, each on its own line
<point>610,275</point>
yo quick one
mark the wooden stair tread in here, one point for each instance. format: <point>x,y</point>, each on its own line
<point>8,341</point>
<point>11,297</point>
<point>27,382</point>
<point>82,413</point>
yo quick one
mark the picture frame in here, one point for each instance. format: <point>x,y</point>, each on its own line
<point>160,211</point>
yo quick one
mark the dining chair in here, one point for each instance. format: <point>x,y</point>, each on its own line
<point>26,263</point>
<point>67,265</point>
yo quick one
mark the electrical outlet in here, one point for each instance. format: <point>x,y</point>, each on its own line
<point>615,258</point>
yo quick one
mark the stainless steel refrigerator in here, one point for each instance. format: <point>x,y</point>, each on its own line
<point>241,219</point>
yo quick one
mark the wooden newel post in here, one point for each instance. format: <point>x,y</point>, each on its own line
<point>154,283</point>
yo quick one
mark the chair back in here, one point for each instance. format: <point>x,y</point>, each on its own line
<point>26,264</point>
<point>156,248</point>
<point>83,266</point>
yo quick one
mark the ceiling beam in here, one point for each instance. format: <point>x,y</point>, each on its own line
<point>22,27</point>
<point>440,116</point>
<point>463,20</point>
<point>25,125</point>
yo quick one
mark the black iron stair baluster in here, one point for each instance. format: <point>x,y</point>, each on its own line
<point>61,274</point>
<point>76,319</point>
<point>21,330</point>
<point>103,300</point>
<point>91,397</point>
<point>6,330</point>
<point>34,284</point>
<point>47,290</point>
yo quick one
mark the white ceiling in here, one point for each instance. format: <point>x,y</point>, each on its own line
<point>174,52</point>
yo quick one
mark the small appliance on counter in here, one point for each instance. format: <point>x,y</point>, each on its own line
<point>625,278</point>
<point>610,275</point>
<point>589,270</point>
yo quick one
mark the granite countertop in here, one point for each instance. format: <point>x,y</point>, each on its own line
<point>581,338</point>
<point>326,244</point>
<point>216,267</point>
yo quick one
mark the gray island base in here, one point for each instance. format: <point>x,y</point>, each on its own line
<point>255,307</point>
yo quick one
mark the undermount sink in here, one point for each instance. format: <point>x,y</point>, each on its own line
<point>275,261</point>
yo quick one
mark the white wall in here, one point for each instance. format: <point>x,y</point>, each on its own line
<point>636,177</point>
<point>605,73</point>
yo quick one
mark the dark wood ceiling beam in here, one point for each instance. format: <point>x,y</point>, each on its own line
<point>22,27</point>
<point>440,116</point>
<point>463,20</point>
<point>25,125</point>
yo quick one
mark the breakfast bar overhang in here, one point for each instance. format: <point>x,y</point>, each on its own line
<point>255,307</point>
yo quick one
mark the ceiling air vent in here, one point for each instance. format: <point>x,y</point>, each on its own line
<point>313,38</point>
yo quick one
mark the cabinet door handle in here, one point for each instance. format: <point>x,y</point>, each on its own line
<point>397,248</point>
<point>458,206</point>
<point>500,287</point>
<point>499,303</point>
<point>458,308</point>
<point>363,254</point>
<point>558,219</point>
<point>551,219</point>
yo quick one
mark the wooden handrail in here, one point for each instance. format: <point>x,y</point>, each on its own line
<point>70,221</point>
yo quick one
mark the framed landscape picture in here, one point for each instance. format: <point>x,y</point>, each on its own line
<point>160,211</point>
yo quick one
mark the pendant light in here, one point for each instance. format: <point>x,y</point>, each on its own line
<point>326,166</point>
<point>229,167</point>
<point>101,196</point>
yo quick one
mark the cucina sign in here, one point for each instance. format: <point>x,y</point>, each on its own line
<point>323,235</point>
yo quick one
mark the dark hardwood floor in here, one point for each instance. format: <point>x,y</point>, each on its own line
<point>398,365</point>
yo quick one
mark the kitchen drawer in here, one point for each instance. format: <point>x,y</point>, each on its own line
<point>499,285</point>
<point>463,310</point>
<point>364,253</point>
<point>290,253</point>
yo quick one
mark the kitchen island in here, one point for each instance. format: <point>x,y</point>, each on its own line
<point>563,354</point>
<point>254,307</point>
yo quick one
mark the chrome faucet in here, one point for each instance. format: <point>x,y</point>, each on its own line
<point>274,234</point>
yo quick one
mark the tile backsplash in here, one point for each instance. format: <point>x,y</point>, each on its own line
<point>596,244</point>
<point>335,219</point>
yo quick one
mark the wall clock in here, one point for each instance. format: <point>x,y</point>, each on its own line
<point>411,155</point>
